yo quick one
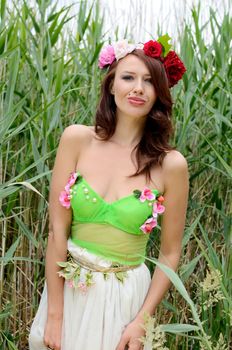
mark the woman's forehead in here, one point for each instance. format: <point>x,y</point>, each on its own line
<point>132,64</point>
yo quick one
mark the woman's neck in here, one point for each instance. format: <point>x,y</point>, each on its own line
<point>128,132</point>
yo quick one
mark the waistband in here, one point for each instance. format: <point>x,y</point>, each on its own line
<point>81,264</point>
<point>97,268</point>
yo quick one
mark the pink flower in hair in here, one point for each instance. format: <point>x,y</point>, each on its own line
<point>107,56</point>
<point>123,48</point>
<point>158,208</point>
<point>146,195</point>
<point>148,225</point>
<point>64,199</point>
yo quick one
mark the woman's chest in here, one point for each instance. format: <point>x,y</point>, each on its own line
<point>107,169</point>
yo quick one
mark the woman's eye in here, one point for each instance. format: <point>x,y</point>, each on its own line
<point>127,77</point>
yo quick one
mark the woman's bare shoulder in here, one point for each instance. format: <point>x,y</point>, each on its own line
<point>174,160</point>
<point>77,133</point>
<point>175,171</point>
<point>78,130</point>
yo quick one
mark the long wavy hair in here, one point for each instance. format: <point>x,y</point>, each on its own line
<point>158,129</point>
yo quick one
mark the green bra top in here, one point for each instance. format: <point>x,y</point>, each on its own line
<point>119,230</point>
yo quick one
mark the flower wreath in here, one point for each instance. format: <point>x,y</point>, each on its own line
<point>159,49</point>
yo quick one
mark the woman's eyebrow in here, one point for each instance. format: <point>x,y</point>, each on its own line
<point>135,73</point>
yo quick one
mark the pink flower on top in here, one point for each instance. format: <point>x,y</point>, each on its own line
<point>65,195</point>
<point>147,195</point>
<point>83,287</point>
<point>71,181</point>
<point>64,199</point>
<point>158,208</point>
<point>148,225</point>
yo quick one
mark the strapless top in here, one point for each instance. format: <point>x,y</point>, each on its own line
<point>135,214</point>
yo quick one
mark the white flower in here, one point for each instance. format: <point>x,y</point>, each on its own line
<point>122,48</point>
<point>139,46</point>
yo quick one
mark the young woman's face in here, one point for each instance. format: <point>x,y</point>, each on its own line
<point>132,88</point>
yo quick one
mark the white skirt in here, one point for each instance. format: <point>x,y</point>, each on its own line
<point>95,319</point>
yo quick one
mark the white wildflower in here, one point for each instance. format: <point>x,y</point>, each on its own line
<point>154,336</point>
<point>211,287</point>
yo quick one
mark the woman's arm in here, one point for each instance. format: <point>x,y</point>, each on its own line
<point>176,179</point>
<point>59,229</point>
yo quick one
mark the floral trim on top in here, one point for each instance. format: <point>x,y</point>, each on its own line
<point>155,200</point>
<point>66,195</point>
<point>157,208</point>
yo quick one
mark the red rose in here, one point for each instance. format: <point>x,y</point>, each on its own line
<point>174,68</point>
<point>153,49</point>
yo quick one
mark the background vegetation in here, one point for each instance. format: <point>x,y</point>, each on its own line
<point>48,76</point>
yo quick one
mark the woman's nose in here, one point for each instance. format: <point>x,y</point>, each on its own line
<point>138,87</point>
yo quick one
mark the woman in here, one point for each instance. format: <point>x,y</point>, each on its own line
<point>124,175</point>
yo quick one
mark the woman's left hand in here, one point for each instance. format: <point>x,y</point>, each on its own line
<point>130,337</point>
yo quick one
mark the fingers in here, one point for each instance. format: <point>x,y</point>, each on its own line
<point>135,344</point>
<point>52,345</point>
<point>135,347</point>
<point>122,344</point>
<point>128,344</point>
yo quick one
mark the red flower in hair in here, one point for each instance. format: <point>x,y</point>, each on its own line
<point>153,48</point>
<point>174,68</point>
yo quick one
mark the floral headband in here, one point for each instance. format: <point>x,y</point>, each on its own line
<point>159,49</point>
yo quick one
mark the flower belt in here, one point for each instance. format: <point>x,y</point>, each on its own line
<point>71,272</point>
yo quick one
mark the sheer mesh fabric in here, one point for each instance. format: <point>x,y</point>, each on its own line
<point>110,242</point>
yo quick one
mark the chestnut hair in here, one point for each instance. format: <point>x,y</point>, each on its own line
<point>158,128</point>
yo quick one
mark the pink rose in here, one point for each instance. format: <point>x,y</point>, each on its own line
<point>64,199</point>
<point>148,225</point>
<point>123,48</point>
<point>146,194</point>
<point>158,208</point>
<point>106,57</point>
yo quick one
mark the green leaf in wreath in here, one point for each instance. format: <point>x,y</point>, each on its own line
<point>163,40</point>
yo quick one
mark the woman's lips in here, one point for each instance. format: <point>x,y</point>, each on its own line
<point>136,101</point>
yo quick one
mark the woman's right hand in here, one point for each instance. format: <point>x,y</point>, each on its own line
<point>52,333</point>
